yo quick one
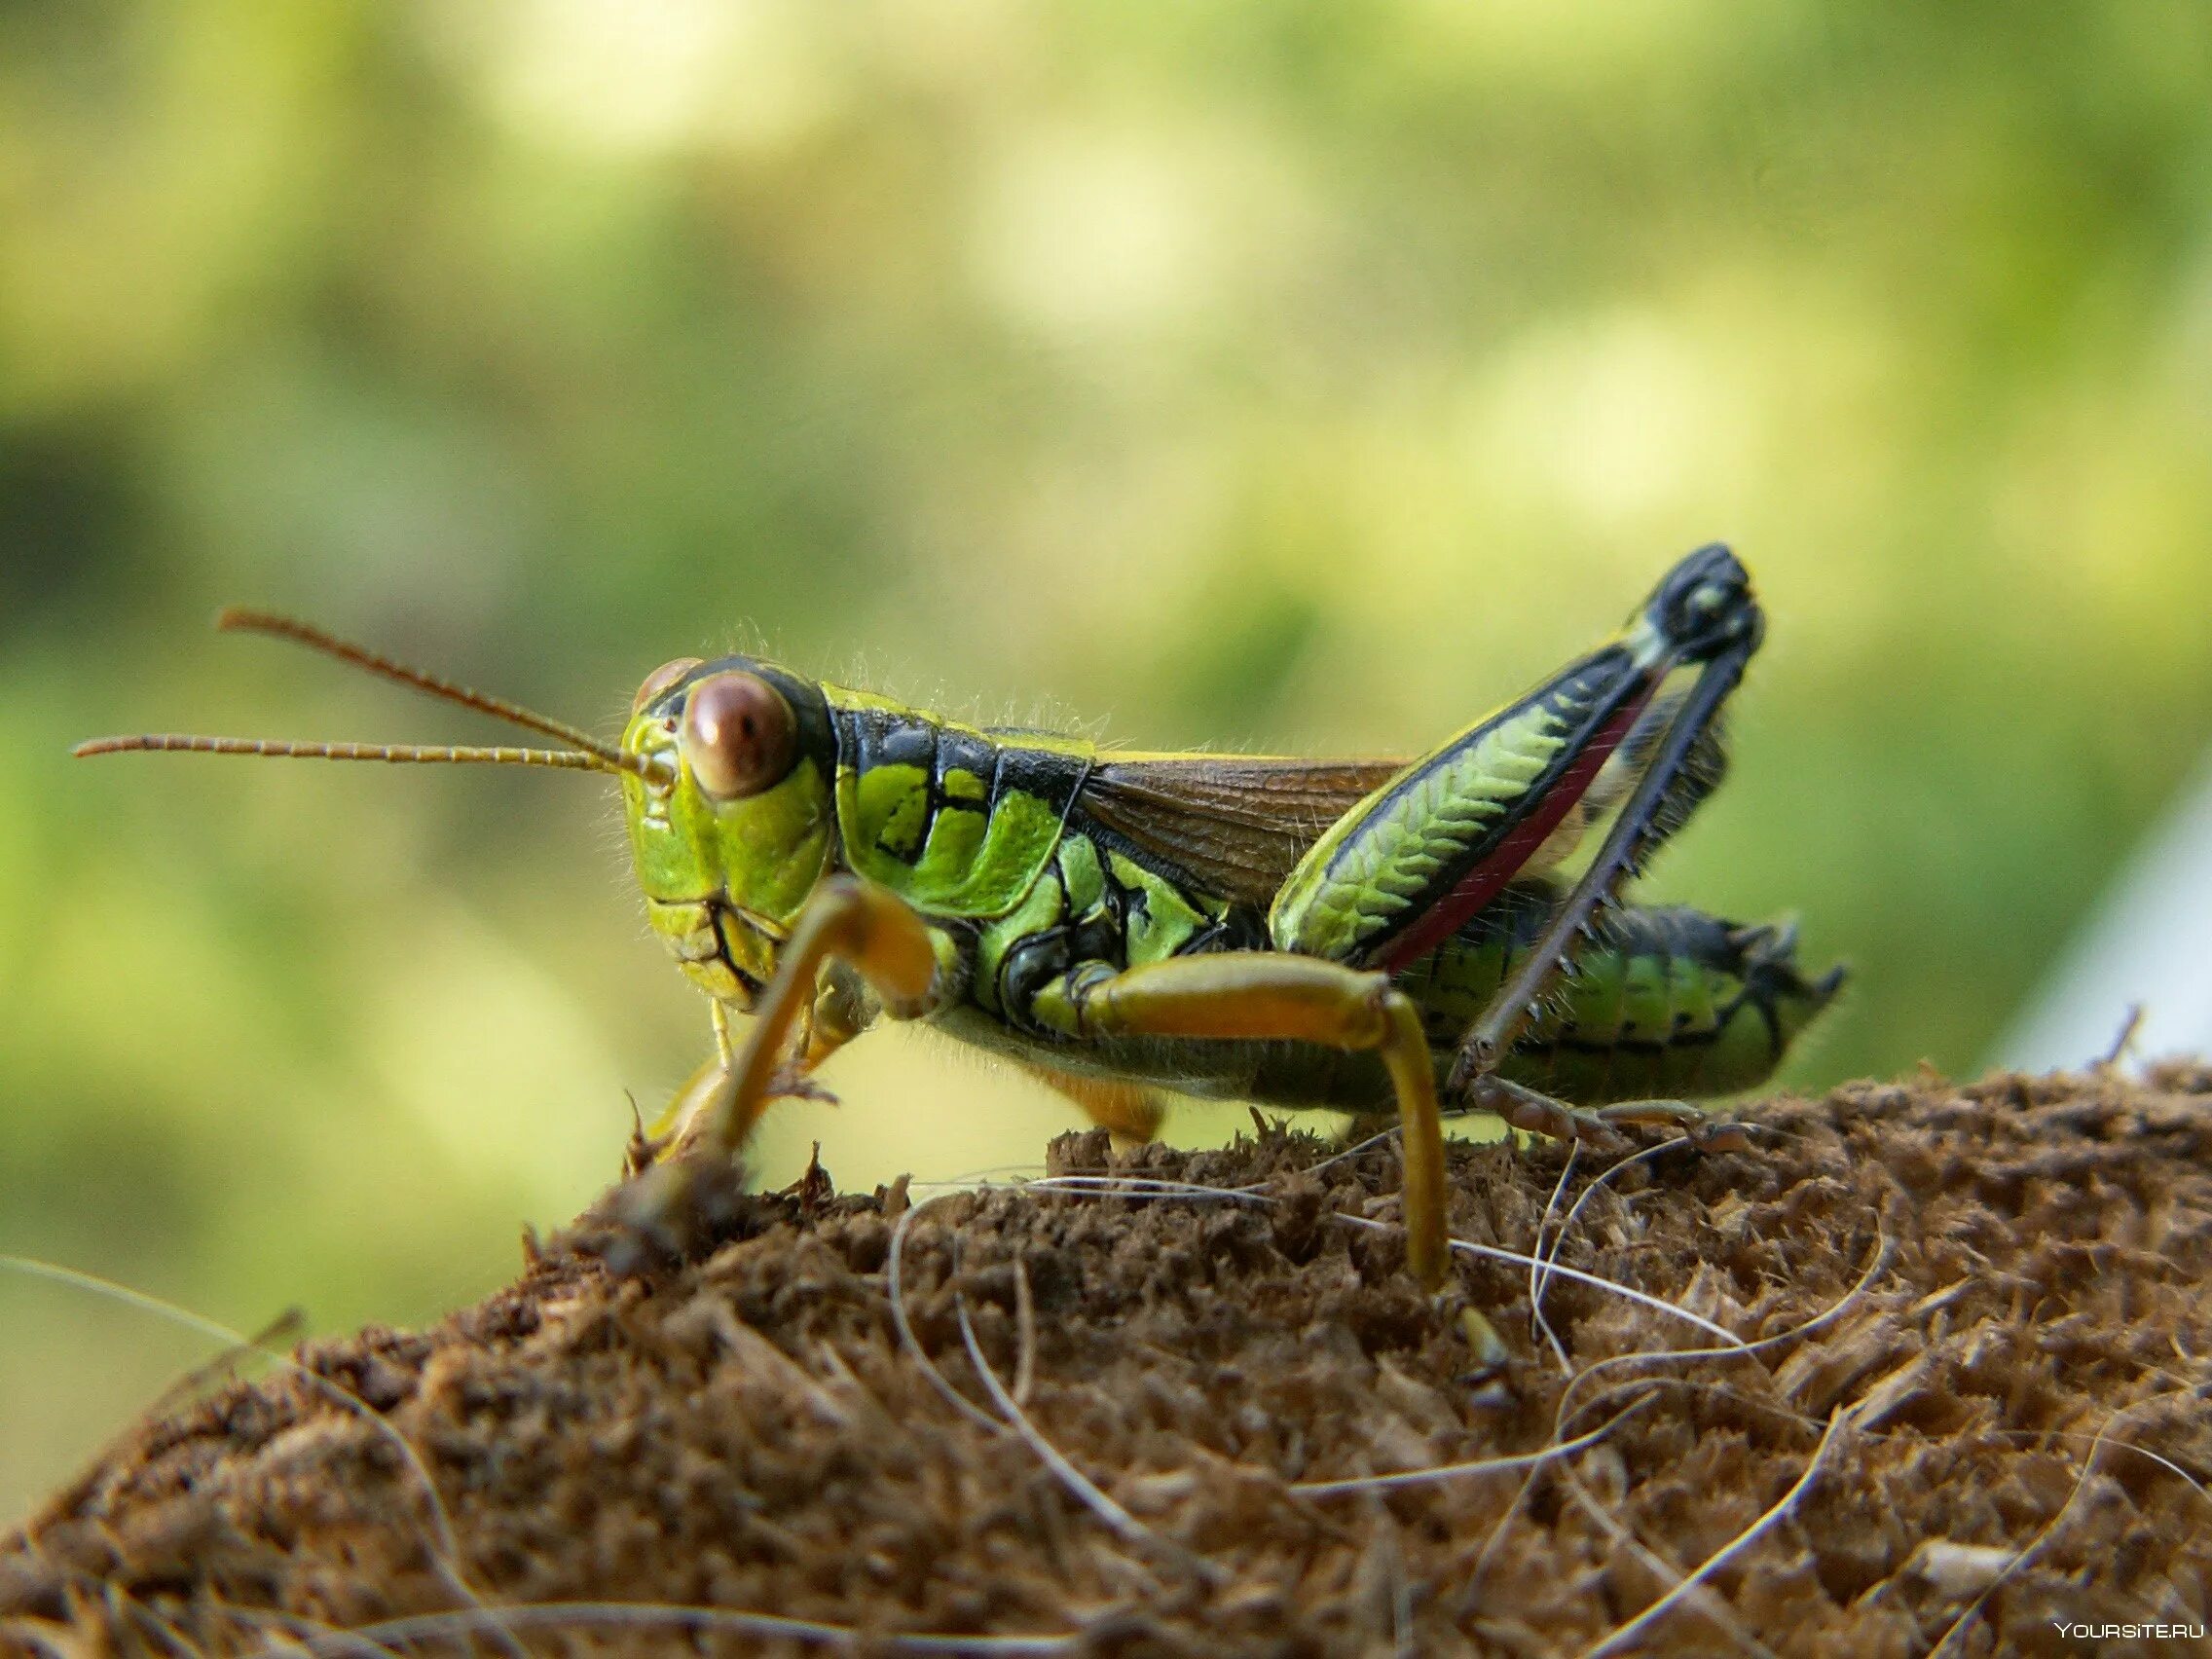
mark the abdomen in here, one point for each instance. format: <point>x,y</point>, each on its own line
<point>1666,1002</point>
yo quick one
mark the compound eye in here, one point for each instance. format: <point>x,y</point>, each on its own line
<point>738,736</point>
<point>660,679</point>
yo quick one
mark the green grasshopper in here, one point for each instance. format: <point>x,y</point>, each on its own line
<point>1351,933</point>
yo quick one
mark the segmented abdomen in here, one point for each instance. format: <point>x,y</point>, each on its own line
<point>1665,1003</point>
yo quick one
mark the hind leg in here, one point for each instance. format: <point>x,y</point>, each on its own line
<point>1535,1113</point>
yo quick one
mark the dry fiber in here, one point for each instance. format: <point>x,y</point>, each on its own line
<point>1069,1419</point>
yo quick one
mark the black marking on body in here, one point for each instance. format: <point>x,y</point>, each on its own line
<point>868,738</point>
<point>1239,928</point>
<point>1101,935</point>
<point>1666,932</point>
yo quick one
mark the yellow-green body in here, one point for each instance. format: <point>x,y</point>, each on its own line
<point>1042,873</point>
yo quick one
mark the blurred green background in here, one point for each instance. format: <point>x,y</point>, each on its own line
<point>1297,374</point>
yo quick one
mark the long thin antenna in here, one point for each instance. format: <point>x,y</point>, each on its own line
<point>241,619</point>
<point>398,753</point>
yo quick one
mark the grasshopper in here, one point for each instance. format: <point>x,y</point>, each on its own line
<point>1297,933</point>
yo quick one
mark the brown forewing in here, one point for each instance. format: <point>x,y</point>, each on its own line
<point>1236,823</point>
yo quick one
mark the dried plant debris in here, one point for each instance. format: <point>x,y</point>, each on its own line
<point>1925,1373</point>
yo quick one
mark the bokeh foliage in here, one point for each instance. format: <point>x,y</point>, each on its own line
<point>1297,374</point>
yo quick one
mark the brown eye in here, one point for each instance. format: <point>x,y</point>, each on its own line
<point>738,736</point>
<point>660,679</point>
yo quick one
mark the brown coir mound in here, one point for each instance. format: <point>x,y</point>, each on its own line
<point>1972,1410</point>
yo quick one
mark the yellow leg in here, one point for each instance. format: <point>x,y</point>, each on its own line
<point>842,1010</point>
<point>1273,995</point>
<point>834,1019</point>
<point>689,1104</point>
<point>1539,1114</point>
<point>697,1097</point>
<point>878,935</point>
<point>892,951</point>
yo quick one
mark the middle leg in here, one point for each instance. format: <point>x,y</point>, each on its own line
<point>1274,995</point>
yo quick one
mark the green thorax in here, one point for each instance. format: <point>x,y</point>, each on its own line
<point>956,820</point>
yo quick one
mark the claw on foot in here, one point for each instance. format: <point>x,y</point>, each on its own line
<point>1706,1133</point>
<point>673,1210</point>
<point>1539,1113</point>
<point>814,1189</point>
<point>1489,1377</point>
<point>788,1082</point>
<point>1721,1134</point>
<point>1604,1125</point>
<point>644,1148</point>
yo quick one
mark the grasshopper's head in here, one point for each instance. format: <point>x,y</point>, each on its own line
<point>731,812</point>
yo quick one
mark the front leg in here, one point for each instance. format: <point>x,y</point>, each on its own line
<point>691,1103</point>
<point>837,1015</point>
<point>905,963</point>
<point>872,931</point>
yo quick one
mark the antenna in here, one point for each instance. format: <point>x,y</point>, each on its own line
<point>399,754</point>
<point>585,751</point>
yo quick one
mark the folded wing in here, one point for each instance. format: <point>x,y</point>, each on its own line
<point>1238,823</point>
